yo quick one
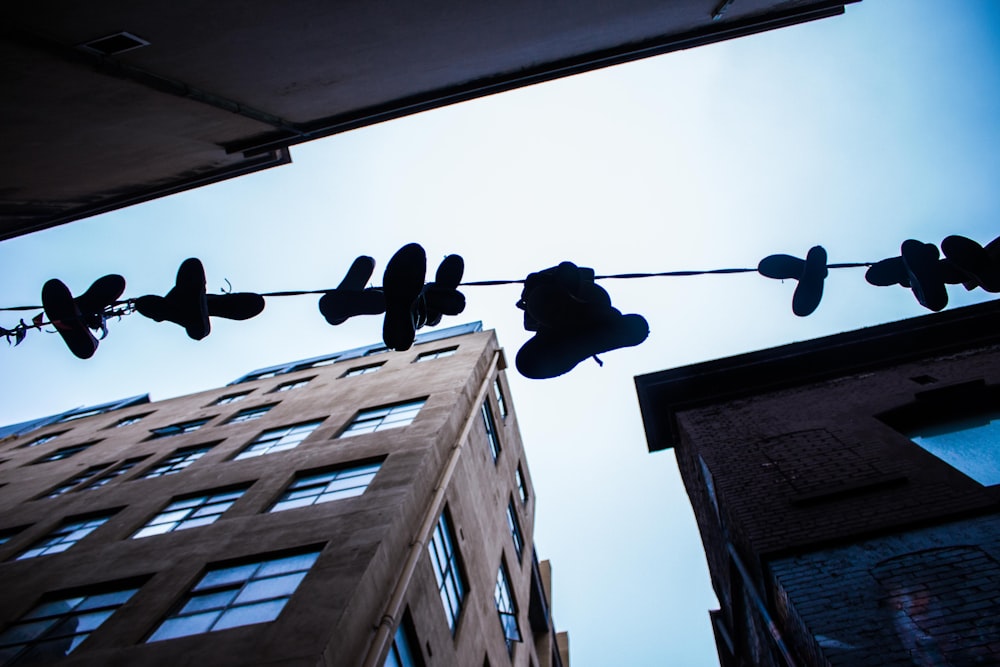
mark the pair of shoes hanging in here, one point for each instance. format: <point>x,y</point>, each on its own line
<point>407,303</point>
<point>188,304</point>
<point>74,318</point>
<point>573,320</point>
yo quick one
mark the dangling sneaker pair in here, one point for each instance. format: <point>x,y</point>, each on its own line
<point>73,318</point>
<point>188,305</point>
<point>408,304</point>
<point>918,268</point>
<point>809,272</point>
<point>573,319</point>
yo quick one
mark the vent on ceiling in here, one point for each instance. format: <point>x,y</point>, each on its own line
<point>112,45</point>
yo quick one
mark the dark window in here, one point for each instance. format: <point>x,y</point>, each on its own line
<point>65,536</point>
<point>501,401</point>
<point>177,461</point>
<point>250,414</point>
<point>362,370</point>
<point>491,430</point>
<point>522,486</point>
<point>325,487</point>
<point>506,608</point>
<point>179,428</point>
<point>380,419</point>
<point>232,398</point>
<point>235,595</point>
<point>79,478</point>
<point>405,649</point>
<point>447,570</point>
<point>437,354</point>
<point>57,625</point>
<point>115,472</point>
<point>190,512</point>
<point>966,443</point>
<point>515,529</point>
<point>64,453</point>
<point>294,384</point>
<point>41,440</point>
<point>128,421</point>
<point>278,439</point>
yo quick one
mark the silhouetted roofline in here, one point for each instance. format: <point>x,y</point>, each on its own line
<point>665,393</point>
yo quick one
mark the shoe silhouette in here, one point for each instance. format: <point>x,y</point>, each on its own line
<point>976,264</point>
<point>352,298</point>
<point>74,318</point>
<point>573,319</point>
<point>924,273</point>
<point>442,297</point>
<point>402,284</point>
<point>809,272</point>
<point>188,304</point>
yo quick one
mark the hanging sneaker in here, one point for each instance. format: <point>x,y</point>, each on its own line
<point>549,353</point>
<point>235,305</point>
<point>402,284</point>
<point>974,261</point>
<point>442,297</point>
<point>921,261</point>
<point>810,273</point>
<point>352,298</point>
<point>73,318</point>
<point>185,304</point>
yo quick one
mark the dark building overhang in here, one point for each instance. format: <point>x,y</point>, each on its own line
<point>118,104</point>
<point>664,394</point>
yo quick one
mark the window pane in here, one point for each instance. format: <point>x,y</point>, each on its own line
<point>226,576</point>
<point>273,587</point>
<point>297,563</point>
<point>250,614</point>
<point>209,601</point>
<point>184,626</point>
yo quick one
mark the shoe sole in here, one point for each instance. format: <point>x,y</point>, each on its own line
<point>63,313</point>
<point>402,283</point>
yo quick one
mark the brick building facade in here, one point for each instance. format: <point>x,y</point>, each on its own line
<point>846,489</point>
<point>362,508</point>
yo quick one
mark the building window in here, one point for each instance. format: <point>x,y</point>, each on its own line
<point>177,461</point>
<point>41,440</point>
<point>375,350</point>
<point>107,478</point>
<point>266,375</point>
<point>278,439</point>
<point>237,595</point>
<point>380,419</point>
<point>447,570</point>
<point>328,486</point>
<point>79,478</point>
<point>128,421</point>
<point>316,364</point>
<point>506,608</point>
<point>7,534</point>
<point>294,384</point>
<point>80,415</point>
<point>232,398</point>
<point>501,401</point>
<point>405,650</point>
<point>190,512</point>
<point>57,625</point>
<point>515,529</point>
<point>64,453</point>
<point>967,443</point>
<point>436,354</point>
<point>250,414</point>
<point>362,370</point>
<point>179,428</point>
<point>62,538</point>
<point>491,430</point>
<point>522,486</point>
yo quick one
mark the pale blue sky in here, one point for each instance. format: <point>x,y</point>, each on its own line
<point>854,132</point>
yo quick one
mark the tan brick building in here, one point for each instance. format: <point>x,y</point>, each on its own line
<point>362,508</point>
